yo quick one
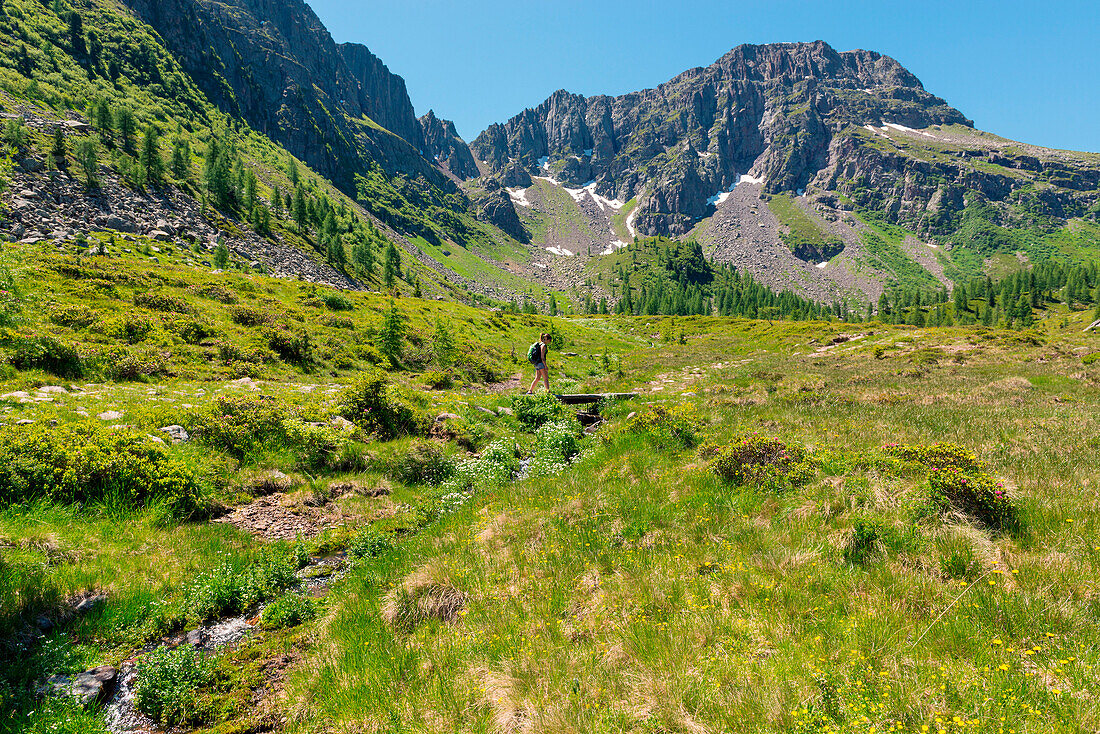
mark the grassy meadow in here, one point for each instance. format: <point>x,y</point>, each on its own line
<point>767,538</point>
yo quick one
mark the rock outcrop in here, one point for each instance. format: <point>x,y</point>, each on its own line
<point>443,144</point>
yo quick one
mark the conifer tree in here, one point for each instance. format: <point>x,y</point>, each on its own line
<point>392,335</point>
<point>127,128</point>
<point>299,209</point>
<point>181,158</point>
<point>59,150</point>
<point>102,119</point>
<point>152,165</point>
<point>87,156</point>
<point>335,254</point>
<point>391,269</point>
<point>250,191</point>
<point>218,174</point>
<point>221,256</point>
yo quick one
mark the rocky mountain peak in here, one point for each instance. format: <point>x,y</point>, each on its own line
<point>767,109</point>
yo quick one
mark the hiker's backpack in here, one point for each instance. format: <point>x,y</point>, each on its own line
<point>534,352</point>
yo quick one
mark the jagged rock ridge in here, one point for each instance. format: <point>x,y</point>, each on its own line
<point>772,110</point>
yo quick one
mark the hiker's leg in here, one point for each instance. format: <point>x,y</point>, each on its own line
<point>534,383</point>
<point>546,378</point>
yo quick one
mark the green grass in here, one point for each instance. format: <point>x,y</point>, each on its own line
<point>804,236</point>
<point>634,590</point>
<point>884,244</point>
<point>563,220</point>
<point>658,597</point>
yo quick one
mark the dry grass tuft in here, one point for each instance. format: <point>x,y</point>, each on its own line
<point>424,594</point>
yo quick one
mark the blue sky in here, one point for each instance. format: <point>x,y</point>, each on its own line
<point>1027,71</point>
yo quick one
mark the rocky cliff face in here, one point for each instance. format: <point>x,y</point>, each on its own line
<point>441,142</point>
<point>771,111</point>
<point>273,63</point>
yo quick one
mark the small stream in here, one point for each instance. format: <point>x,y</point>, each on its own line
<point>121,714</point>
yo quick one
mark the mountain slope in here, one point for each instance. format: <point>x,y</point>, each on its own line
<point>274,64</point>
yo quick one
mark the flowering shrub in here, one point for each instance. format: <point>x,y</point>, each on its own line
<point>557,441</point>
<point>936,456</point>
<point>758,460</point>
<point>246,316</point>
<point>164,302</point>
<point>376,406</point>
<point>533,411</point>
<point>168,685</point>
<point>292,345</point>
<point>497,466</point>
<point>124,363</point>
<point>241,425</point>
<point>74,317</point>
<point>958,480</point>
<point>975,493</point>
<point>676,427</point>
<point>48,354</point>
<point>84,462</point>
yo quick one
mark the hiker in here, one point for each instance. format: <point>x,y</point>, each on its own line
<point>536,355</point>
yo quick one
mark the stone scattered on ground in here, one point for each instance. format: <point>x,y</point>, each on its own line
<point>270,519</point>
<point>341,423</point>
<point>177,434</point>
<point>109,415</point>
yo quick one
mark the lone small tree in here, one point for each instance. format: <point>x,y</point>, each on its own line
<point>87,156</point>
<point>59,150</point>
<point>221,256</point>
<point>392,336</point>
<point>443,344</point>
<point>392,268</point>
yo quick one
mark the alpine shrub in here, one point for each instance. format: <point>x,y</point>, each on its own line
<point>85,462</point>
<point>241,425</point>
<point>422,463</point>
<point>974,493</point>
<point>761,461</point>
<point>937,456</point>
<point>337,302</point>
<point>375,405</point>
<point>163,302</point>
<point>291,345</point>
<point>74,317</point>
<point>674,428</point>
<point>47,354</point>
